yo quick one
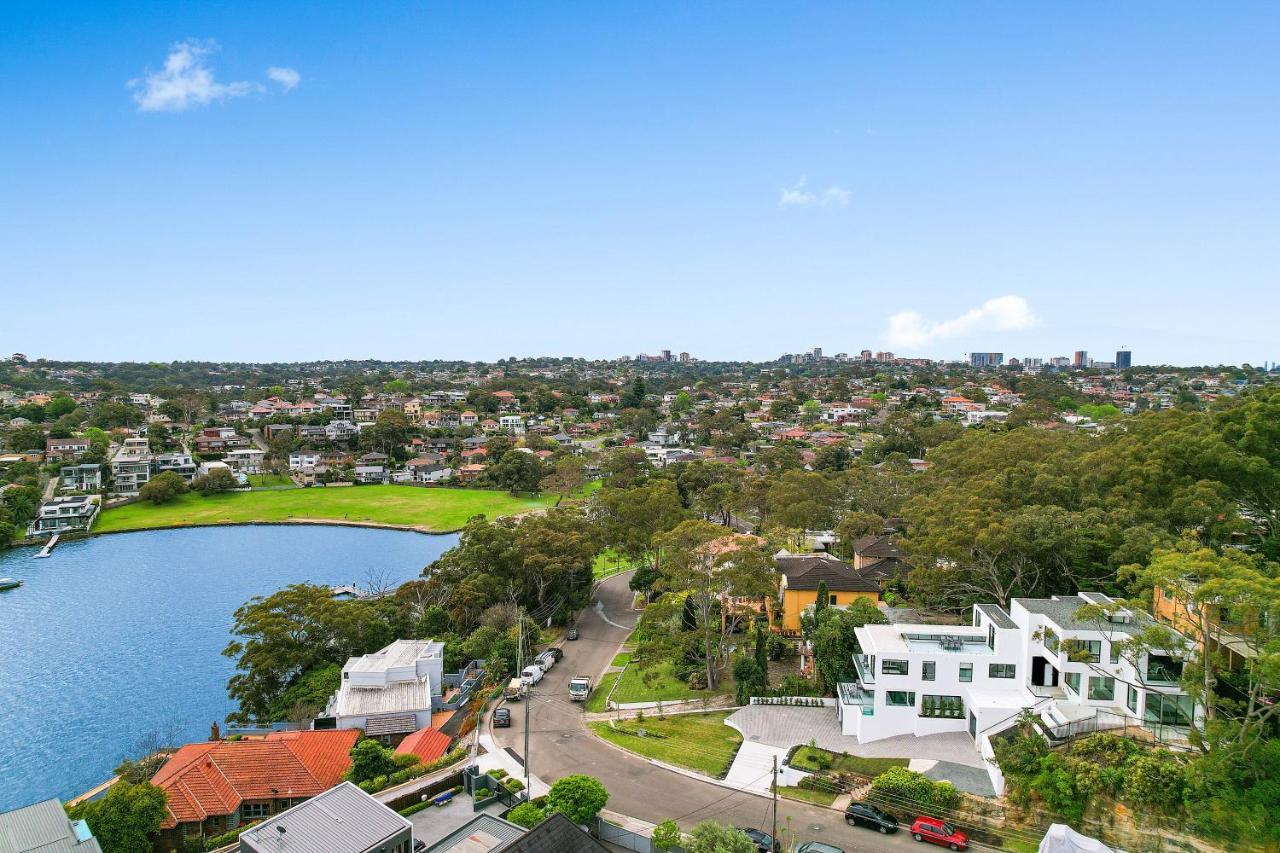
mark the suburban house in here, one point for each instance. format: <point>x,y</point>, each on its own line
<point>244,460</point>
<point>392,692</point>
<point>85,477</point>
<point>1037,655</point>
<point>219,440</point>
<point>215,786</point>
<point>512,424</point>
<point>59,515</point>
<point>428,471</point>
<point>178,462</point>
<point>1225,629</point>
<point>343,819</point>
<point>65,449</point>
<point>130,467</point>
<point>45,828</point>
<point>341,430</point>
<point>300,459</point>
<point>800,575</point>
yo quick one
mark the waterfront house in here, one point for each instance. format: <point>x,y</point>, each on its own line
<point>393,692</point>
<point>59,515</point>
<point>300,459</point>
<point>45,828</point>
<point>800,576</point>
<point>219,440</point>
<point>216,786</point>
<point>178,462</point>
<point>343,819</point>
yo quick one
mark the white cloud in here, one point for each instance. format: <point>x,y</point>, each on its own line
<point>799,195</point>
<point>1002,314</point>
<point>286,77</point>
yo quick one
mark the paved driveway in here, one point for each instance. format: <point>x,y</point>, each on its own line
<point>950,756</point>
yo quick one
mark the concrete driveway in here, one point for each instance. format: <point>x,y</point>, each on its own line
<point>950,756</point>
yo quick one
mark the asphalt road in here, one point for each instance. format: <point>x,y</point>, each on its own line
<point>561,745</point>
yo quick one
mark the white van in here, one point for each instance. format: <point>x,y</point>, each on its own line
<point>531,674</point>
<point>546,660</point>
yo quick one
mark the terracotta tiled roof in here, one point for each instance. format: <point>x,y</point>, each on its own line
<point>807,571</point>
<point>204,779</point>
<point>427,744</point>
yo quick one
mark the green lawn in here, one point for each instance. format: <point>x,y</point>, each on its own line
<point>803,759</point>
<point>434,510</point>
<point>821,798</point>
<point>665,687</point>
<point>700,742</point>
<point>609,562</point>
<point>621,659</point>
<point>259,481</point>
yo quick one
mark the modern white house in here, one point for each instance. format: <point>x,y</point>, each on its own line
<point>390,692</point>
<point>130,467</point>
<point>73,512</point>
<point>177,461</point>
<point>300,459</point>
<point>245,460</point>
<point>85,477</point>
<point>511,424</point>
<point>1074,673</point>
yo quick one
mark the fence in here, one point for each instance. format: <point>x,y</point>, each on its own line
<point>796,701</point>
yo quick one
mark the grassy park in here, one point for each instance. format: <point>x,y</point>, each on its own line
<point>700,742</point>
<point>431,510</point>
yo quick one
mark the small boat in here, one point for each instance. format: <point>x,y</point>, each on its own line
<point>9,583</point>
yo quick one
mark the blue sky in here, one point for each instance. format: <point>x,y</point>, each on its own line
<point>737,180</point>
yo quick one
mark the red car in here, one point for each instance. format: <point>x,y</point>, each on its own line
<point>939,832</point>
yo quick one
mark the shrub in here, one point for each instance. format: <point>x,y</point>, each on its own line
<point>527,815</point>
<point>577,797</point>
<point>901,783</point>
<point>515,786</point>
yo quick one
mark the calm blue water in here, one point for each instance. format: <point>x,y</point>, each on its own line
<point>116,636</point>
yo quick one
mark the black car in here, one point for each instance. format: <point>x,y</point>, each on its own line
<point>865,814</point>
<point>502,718</point>
<point>762,840</point>
<point>556,652</point>
<point>419,846</point>
<point>572,635</point>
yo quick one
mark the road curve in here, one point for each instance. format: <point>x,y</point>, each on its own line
<point>560,744</point>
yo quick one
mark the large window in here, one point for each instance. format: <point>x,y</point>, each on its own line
<point>1168,710</point>
<point>966,672</point>
<point>1102,687</point>
<point>252,810</point>
<point>1164,669</point>
<point>1115,652</point>
<point>1002,670</point>
<point>894,667</point>
<point>1072,680</point>
<point>951,707</point>
<point>1051,640</point>
<point>1131,700</point>
<point>900,698</point>
<point>930,670</point>
<point>1084,651</point>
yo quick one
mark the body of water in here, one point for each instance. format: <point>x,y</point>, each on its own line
<point>117,636</point>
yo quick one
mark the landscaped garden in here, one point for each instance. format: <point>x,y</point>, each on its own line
<point>700,742</point>
<point>431,510</point>
<point>267,481</point>
<point>807,795</point>
<point>818,760</point>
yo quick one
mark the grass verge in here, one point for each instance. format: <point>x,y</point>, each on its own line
<point>804,795</point>
<point>432,510</point>
<point>700,742</point>
<point>811,758</point>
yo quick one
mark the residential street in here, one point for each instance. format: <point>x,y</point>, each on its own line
<point>561,745</point>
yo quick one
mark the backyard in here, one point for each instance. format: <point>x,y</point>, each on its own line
<point>428,510</point>
<point>700,742</point>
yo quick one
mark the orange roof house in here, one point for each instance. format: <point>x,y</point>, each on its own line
<point>214,787</point>
<point>426,744</point>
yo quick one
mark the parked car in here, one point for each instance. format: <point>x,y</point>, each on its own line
<point>546,660</point>
<point>502,718</point>
<point>419,846</point>
<point>556,653</point>
<point>865,814</point>
<point>572,634</point>
<point>938,831</point>
<point>531,674</point>
<point>818,847</point>
<point>762,840</point>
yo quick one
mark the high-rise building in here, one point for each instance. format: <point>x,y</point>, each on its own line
<point>684,358</point>
<point>1080,359</point>
<point>1124,359</point>
<point>986,359</point>
<point>817,353</point>
<point>666,355</point>
<point>865,355</point>
<point>1059,361</point>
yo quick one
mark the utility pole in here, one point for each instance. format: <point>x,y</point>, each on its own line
<point>776,846</point>
<point>528,698</point>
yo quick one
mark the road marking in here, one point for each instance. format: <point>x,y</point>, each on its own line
<point>599,609</point>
